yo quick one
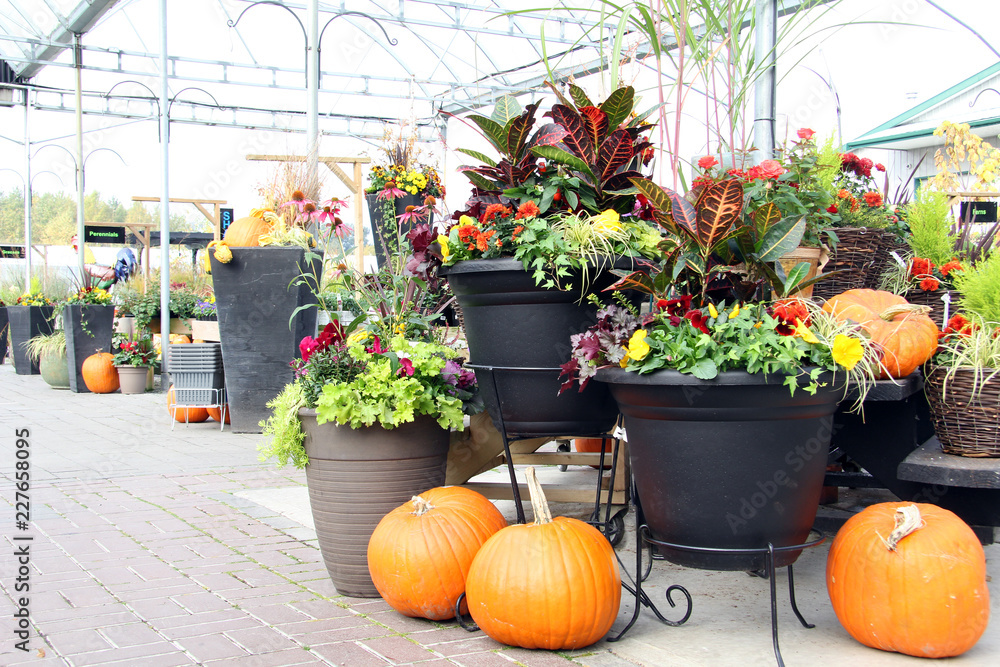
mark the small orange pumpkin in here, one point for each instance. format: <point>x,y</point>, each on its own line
<point>188,415</point>
<point>246,232</point>
<point>100,374</point>
<point>909,578</point>
<point>420,553</point>
<point>179,339</point>
<point>907,335</point>
<point>552,584</point>
<point>216,414</point>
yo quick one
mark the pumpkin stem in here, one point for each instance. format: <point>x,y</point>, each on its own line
<point>420,506</point>
<point>908,520</point>
<point>890,313</point>
<point>540,508</point>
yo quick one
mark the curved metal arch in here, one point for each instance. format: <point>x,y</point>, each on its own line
<point>305,37</point>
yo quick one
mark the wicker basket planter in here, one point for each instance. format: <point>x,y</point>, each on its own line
<point>932,300</point>
<point>856,251</point>
<point>889,243</point>
<point>967,424</point>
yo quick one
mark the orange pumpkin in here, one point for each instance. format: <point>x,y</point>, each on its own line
<point>552,584</point>
<point>420,553</point>
<point>100,374</point>
<point>246,232</point>
<point>179,339</point>
<point>907,335</point>
<point>593,446</point>
<point>216,414</point>
<point>909,578</point>
<point>188,415</point>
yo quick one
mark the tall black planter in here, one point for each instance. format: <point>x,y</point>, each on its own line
<point>384,230</point>
<point>518,335</point>
<point>26,322</point>
<point>88,331</point>
<point>260,336</point>
<point>3,333</point>
<point>730,463</point>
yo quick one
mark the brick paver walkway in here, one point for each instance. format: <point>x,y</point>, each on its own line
<point>142,554</point>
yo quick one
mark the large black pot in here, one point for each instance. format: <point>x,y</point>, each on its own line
<point>736,462</point>
<point>356,477</point>
<point>518,335</point>
<point>88,331</point>
<point>3,333</point>
<point>389,234</point>
<point>260,324</point>
<point>26,322</point>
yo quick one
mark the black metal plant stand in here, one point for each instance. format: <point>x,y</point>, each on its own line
<point>613,527</point>
<point>644,539</point>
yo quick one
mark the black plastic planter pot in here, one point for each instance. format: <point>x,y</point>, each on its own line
<point>26,322</point>
<point>356,477</point>
<point>3,333</point>
<point>518,335</point>
<point>260,336</point>
<point>384,231</point>
<point>731,463</point>
<point>88,331</point>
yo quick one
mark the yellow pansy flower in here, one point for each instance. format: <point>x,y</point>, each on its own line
<point>445,250</point>
<point>712,311</point>
<point>638,348</point>
<point>805,333</point>
<point>847,351</point>
<point>607,222</point>
<point>466,220</point>
<point>736,312</point>
<point>357,337</point>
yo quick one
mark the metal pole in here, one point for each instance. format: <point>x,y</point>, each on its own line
<point>312,84</point>
<point>78,63</point>
<point>164,199</point>
<point>27,193</point>
<point>766,86</point>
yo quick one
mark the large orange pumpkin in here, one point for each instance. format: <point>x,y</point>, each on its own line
<point>100,374</point>
<point>552,584</point>
<point>216,414</point>
<point>909,578</point>
<point>907,335</point>
<point>188,415</point>
<point>420,553</point>
<point>246,232</point>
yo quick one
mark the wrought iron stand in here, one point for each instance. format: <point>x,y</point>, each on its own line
<point>613,527</point>
<point>644,540</point>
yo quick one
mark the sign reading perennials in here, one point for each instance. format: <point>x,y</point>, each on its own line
<point>12,251</point>
<point>225,219</point>
<point>92,234</point>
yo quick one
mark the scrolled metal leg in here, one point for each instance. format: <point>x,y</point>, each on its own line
<point>791,598</point>
<point>769,568</point>
<point>470,627</point>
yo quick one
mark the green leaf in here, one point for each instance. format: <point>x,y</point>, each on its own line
<point>705,369</point>
<point>492,130</point>
<point>580,98</point>
<point>482,157</point>
<point>618,106</point>
<point>507,107</point>
<point>782,238</point>
<point>564,158</point>
<point>479,181</point>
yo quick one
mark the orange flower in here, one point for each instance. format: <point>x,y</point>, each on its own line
<point>921,267</point>
<point>948,267</point>
<point>527,210</point>
<point>929,284</point>
<point>873,199</point>
<point>517,230</point>
<point>494,211</point>
<point>843,194</point>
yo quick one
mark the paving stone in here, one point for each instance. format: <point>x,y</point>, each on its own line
<point>130,634</point>
<point>483,660</point>
<point>298,656</point>
<point>136,655</point>
<point>537,658</point>
<point>198,619</point>
<point>200,602</point>
<point>350,655</point>
<point>322,625</point>
<point>77,641</point>
<point>261,640</point>
<point>211,647</point>
<point>397,649</point>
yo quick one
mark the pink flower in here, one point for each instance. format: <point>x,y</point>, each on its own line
<point>771,169</point>
<point>707,162</point>
<point>376,347</point>
<point>405,367</point>
<point>299,201</point>
<point>805,133</point>
<point>342,229</point>
<point>307,346</point>
<point>329,210</point>
<point>413,214</point>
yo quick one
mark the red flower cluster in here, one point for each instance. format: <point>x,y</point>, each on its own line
<point>957,325</point>
<point>766,169</point>
<point>929,284</point>
<point>921,267</point>
<point>873,199</point>
<point>707,162</point>
<point>789,312</point>
<point>680,309</point>
<point>948,267</point>
<point>332,334</point>
<point>859,166</point>
<point>475,238</point>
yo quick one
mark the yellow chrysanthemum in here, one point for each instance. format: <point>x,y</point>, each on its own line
<point>847,351</point>
<point>638,348</point>
<point>357,337</point>
<point>606,223</point>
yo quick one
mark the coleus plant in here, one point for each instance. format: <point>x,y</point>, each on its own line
<point>582,161</point>
<point>714,252</point>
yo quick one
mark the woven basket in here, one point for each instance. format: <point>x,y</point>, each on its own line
<point>856,250</point>
<point>966,424</point>
<point>931,299</point>
<point>888,244</point>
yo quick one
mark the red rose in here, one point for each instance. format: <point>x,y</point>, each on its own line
<point>832,208</point>
<point>707,162</point>
<point>805,133</point>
